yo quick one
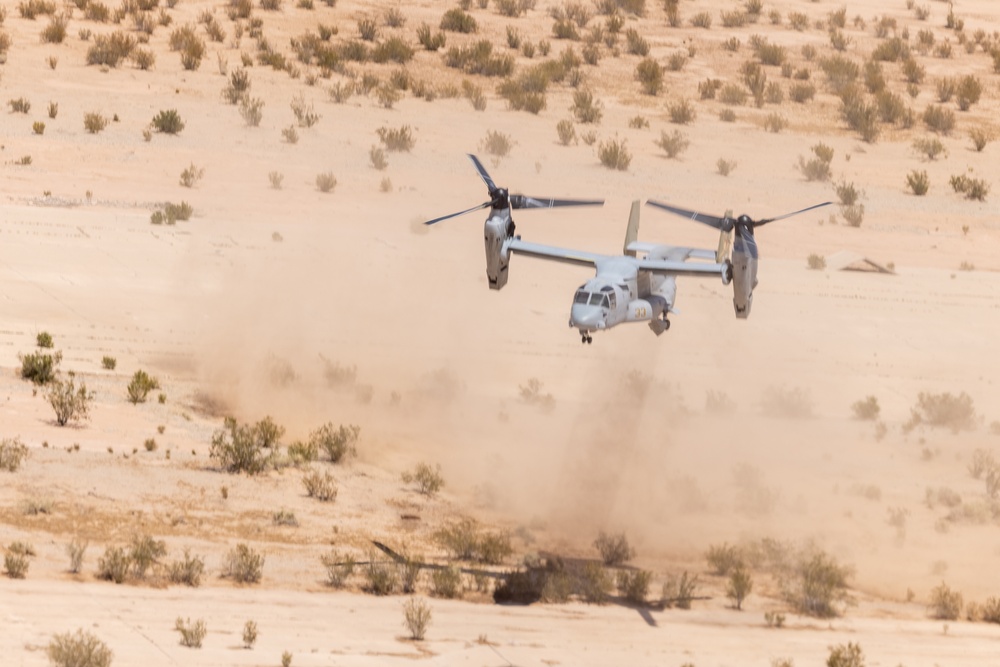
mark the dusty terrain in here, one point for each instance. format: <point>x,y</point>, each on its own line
<point>235,310</point>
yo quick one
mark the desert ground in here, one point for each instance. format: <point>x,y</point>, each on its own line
<point>340,308</point>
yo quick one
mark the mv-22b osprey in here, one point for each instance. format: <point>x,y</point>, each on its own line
<point>627,287</point>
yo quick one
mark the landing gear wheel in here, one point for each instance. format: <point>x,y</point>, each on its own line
<point>666,324</point>
<point>589,340</point>
<point>585,337</point>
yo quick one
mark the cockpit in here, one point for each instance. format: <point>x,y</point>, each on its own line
<point>605,298</point>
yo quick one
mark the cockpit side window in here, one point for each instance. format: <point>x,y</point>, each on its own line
<point>581,297</point>
<point>595,299</point>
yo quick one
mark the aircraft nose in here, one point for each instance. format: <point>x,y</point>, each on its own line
<point>587,318</point>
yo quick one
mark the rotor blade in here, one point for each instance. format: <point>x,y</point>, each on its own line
<point>523,201</point>
<point>724,224</point>
<point>788,215</point>
<point>454,215</point>
<point>483,174</point>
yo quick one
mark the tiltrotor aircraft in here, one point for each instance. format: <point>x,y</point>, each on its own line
<point>627,287</point>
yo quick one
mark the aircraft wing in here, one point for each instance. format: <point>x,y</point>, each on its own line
<point>675,253</point>
<point>565,255</point>
<point>674,268</point>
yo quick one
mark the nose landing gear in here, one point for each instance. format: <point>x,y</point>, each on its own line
<point>585,337</point>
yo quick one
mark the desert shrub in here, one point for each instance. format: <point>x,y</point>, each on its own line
<point>393,49</point>
<point>586,108</point>
<point>16,560</point>
<point>252,110</point>
<point>114,565</point>
<point>527,91</point>
<point>968,92</point>
<point>480,58</point>
<point>396,139</point>
<point>320,486</point>
<point>53,109</point>
<point>708,88</point>
<point>139,387</point>
<point>945,409</point>
<point>739,586</point>
<point>768,53</point>
<point>702,20</point>
<point>326,182</point>
<point>633,585</point>
<point>497,144</point>
<point>939,119</point>
<point>846,655</point>
<point>249,634</point>
<point>724,558</point>
<point>635,43</point>
<point>681,112</point>
<point>732,95</point>
<point>39,367</point>
<point>817,168</point>
<point>191,175</point>
<point>55,31</point>
<point>930,147</point>
<point>430,41</point>
<point>382,578</point>
<point>801,92</point>
<point>650,75</point>
<point>75,550</point>
<point>111,49</point>
<point>457,20</point>
<point>19,105</point>
<point>188,570</point>
<point>820,584</point>
<point>755,80</point>
<point>192,634</point>
<point>238,86</point>
<point>13,452</point>
<point>673,144</point>
<point>861,115</point>
<point>840,72</point>
<point>725,167</point>
<point>891,50</point>
<point>79,649</point>
<point>973,188</point>
<point>595,584</point>
<point>945,604</point>
<point>143,552</point>
<point>854,214</point>
<point>447,582</point>
<point>144,59</point>
<point>244,565</point>
<point>416,618</point>
<point>614,154</point>
<point>847,193</point>
<point>429,480</point>
<point>679,591</point>
<point>245,447</point>
<point>798,21</point>
<point>980,138</point>
<point>784,402</point>
<point>815,262</point>
<point>775,122</point>
<point>566,132</point>
<point>339,568</point>
<point>94,122</point>
<point>945,89</point>
<point>167,121</point>
<point>614,549</point>
<point>867,409</point>
<point>70,403</point>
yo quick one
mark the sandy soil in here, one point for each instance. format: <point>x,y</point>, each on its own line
<point>236,310</point>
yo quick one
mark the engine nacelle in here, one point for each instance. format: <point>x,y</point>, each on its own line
<point>744,281</point>
<point>496,232</point>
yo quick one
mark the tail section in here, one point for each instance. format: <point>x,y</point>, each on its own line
<point>632,233</point>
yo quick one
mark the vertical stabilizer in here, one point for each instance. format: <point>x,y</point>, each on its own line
<point>632,233</point>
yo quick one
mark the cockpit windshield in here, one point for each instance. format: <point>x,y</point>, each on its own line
<point>599,300</point>
<point>584,297</point>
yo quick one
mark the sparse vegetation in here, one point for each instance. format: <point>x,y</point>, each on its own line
<point>943,410</point>
<point>139,387</point>
<point>867,409</point>
<point>464,541</point>
<point>339,568</point>
<point>416,618</point>
<point>614,154</point>
<point>846,655</point>
<point>972,188</point>
<point>39,367</point>
<point>821,583</point>
<point>94,122</point>
<point>320,486</point>
<point>816,262</point>
<point>167,121</point>
<point>739,586</point>
<point>945,604</point>
<point>673,144</point>
<point>249,634</point>
<point>70,403</point>
<point>614,548</point>
<point>396,139</point>
<point>248,448</point>
<point>429,480</point>
<point>192,633</point>
<point>191,175</point>
<point>817,168</point>
<point>244,565</point>
<point>79,649</point>
<point>650,75</point>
